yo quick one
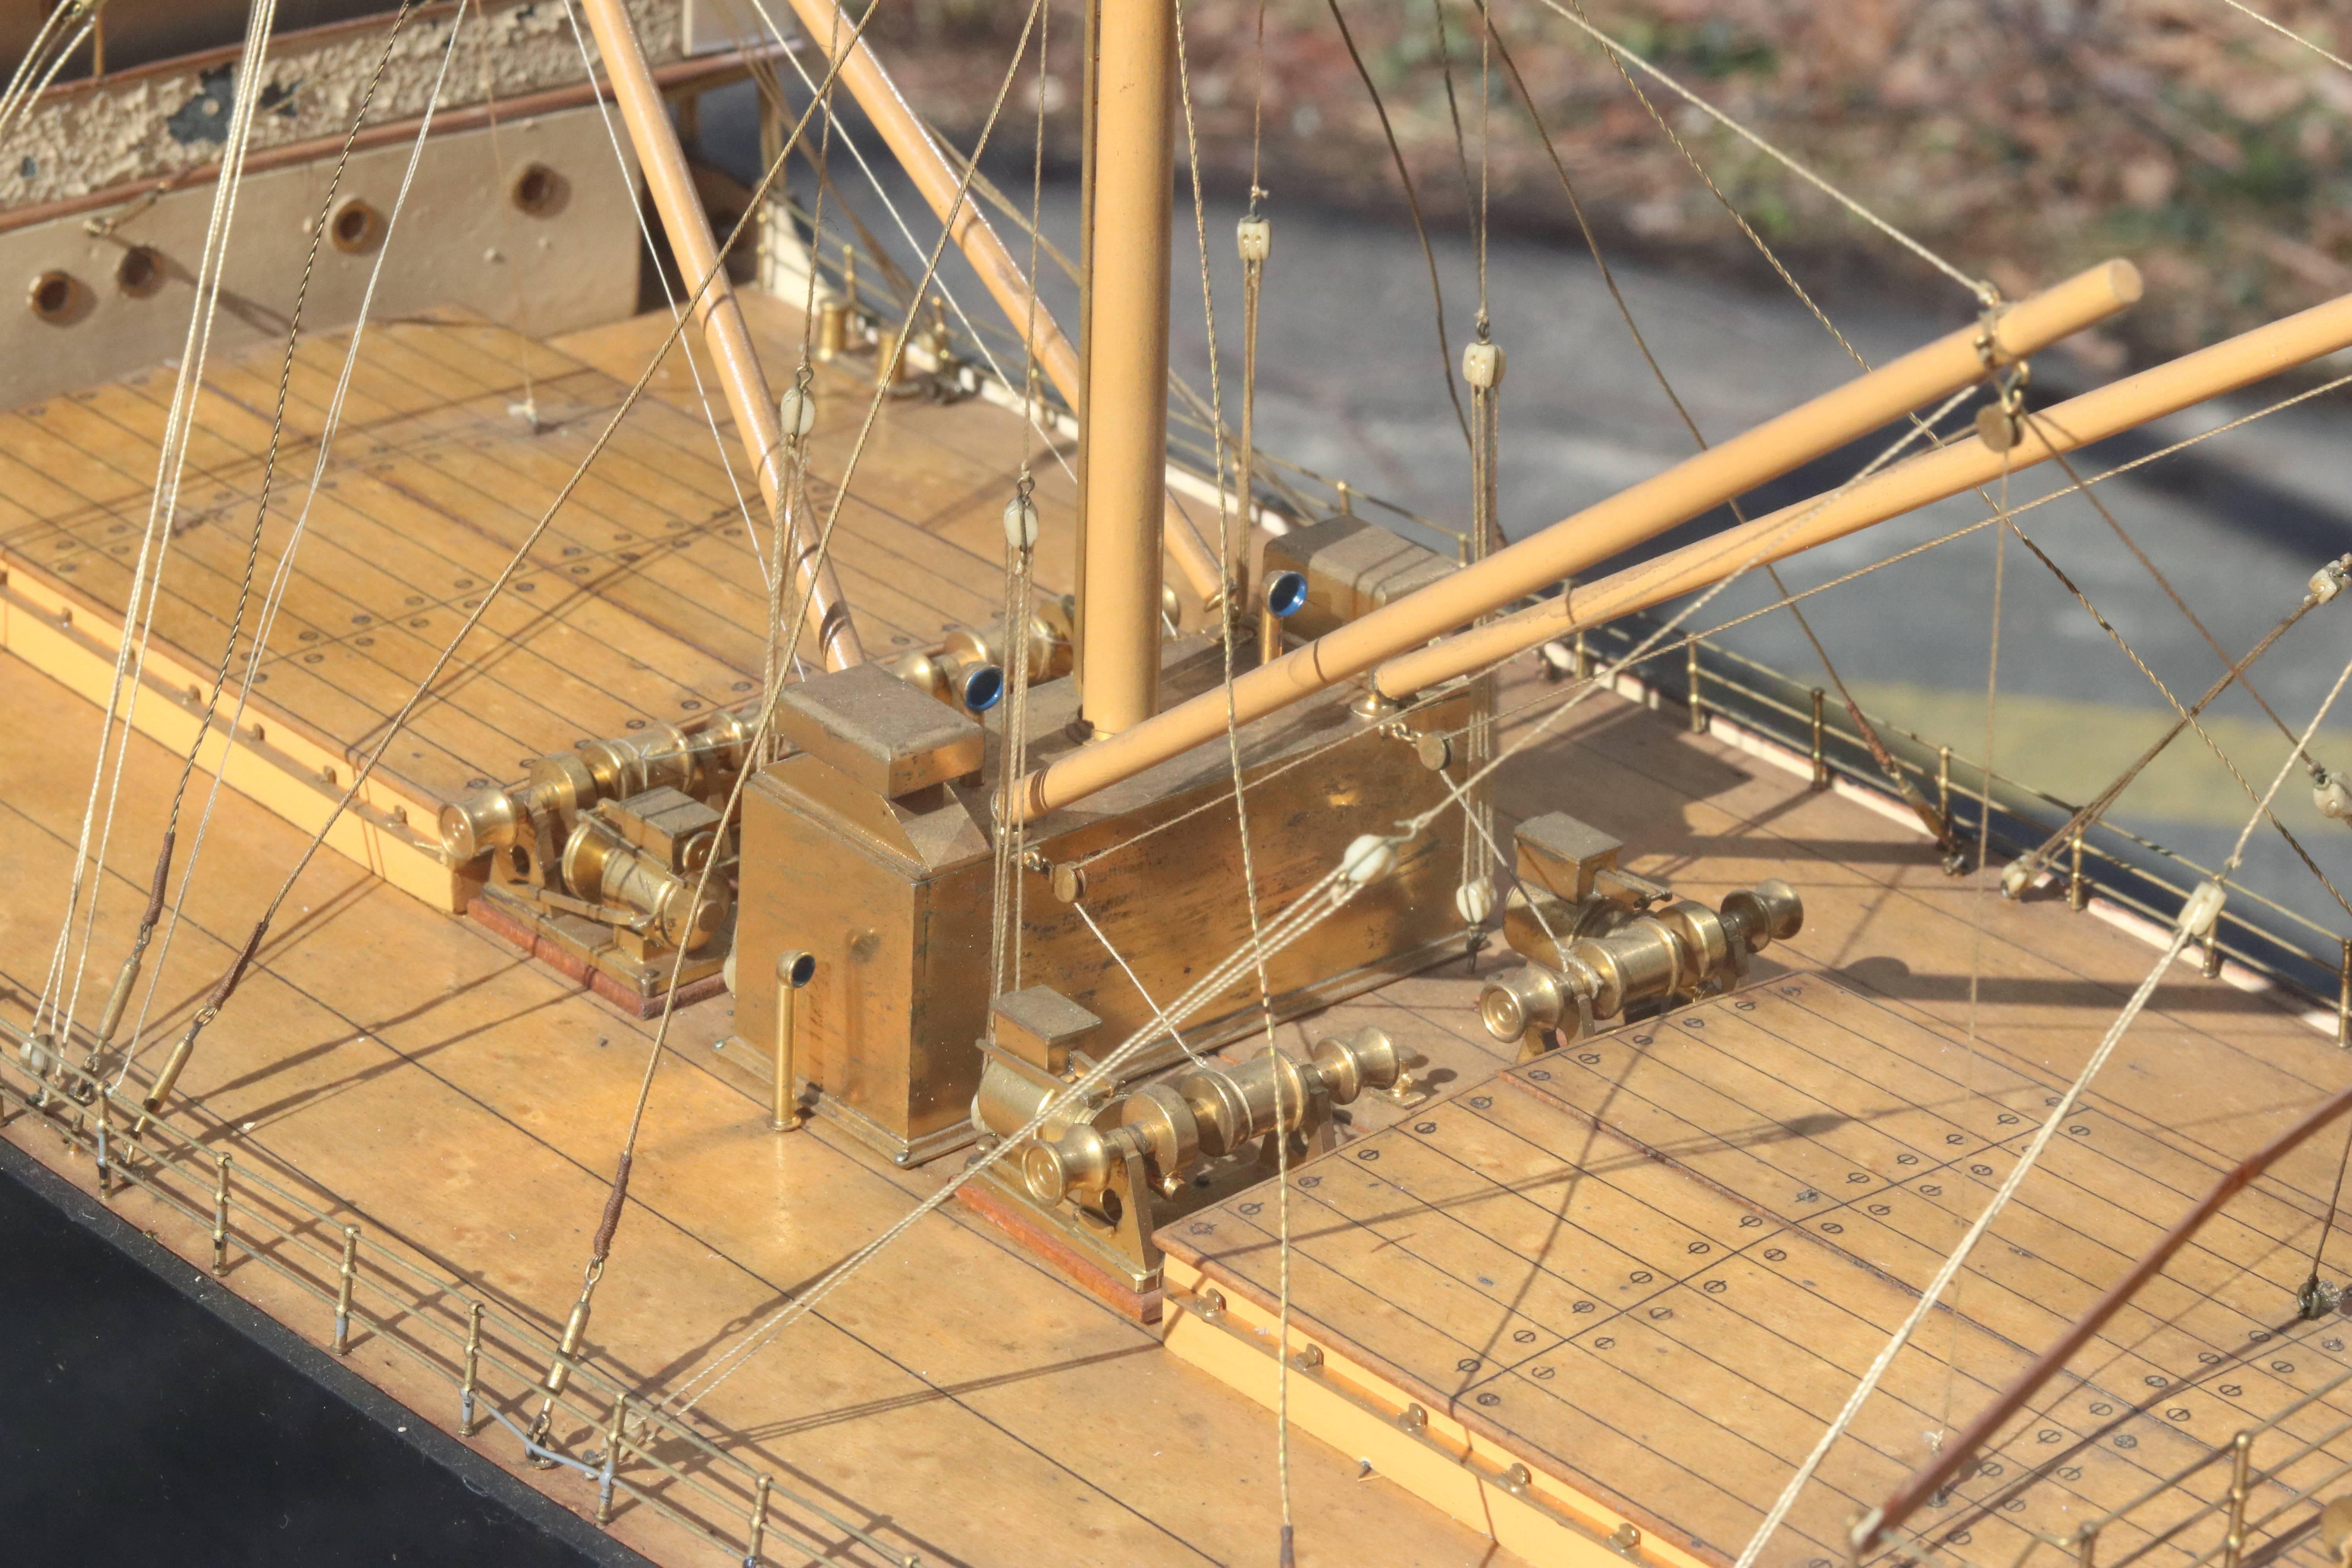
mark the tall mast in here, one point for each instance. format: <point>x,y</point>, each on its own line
<point>1123,359</point>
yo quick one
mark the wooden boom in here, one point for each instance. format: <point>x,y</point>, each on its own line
<point>1930,477</point>
<point>1699,483</point>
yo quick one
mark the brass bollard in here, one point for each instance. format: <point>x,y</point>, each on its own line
<point>794,970</point>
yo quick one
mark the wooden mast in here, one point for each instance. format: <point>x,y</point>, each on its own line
<point>1123,359</point>
<point>749,399</point>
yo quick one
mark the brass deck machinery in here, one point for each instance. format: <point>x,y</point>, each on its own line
<point>1098,1179</point>
<point>1604,944</point>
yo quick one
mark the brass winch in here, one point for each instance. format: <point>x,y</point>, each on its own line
<point>594,861</point>
<point>1100,1177</point>
<point>1601,943</point>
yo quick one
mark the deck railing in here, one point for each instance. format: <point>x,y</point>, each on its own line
<point>491,1358</point>
<point>1710,682</point>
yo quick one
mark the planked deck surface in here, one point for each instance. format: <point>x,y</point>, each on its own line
<point>641,599</point>
<point>1654,1266</point>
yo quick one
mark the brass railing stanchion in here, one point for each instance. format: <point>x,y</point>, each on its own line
<point>2211,968</point>
<point>2086,1546</point>
<point>220,1215</point>
<point>344,1290</point>
<point>793,971</point>
<point>1583,658</point>
<point>473,1370</point>
<point>2344,998</point>
<point>1820,734</point>
<point>1690,670</point>
<point>612,1459</point>
<point>2078,892</point>
<point>2233,1545</point>
<point>759,1525</point>
<point>105,1171</point>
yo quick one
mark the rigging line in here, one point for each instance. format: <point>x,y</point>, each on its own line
<point>1461,143</point>
<point>2129,652</point>
<point>1253,257</point>
<point>1009,893</point>
<point>27,66</point>
<point>1309,909</point>
<point>2336,60</point>
<point>1413,202</point>
<point>616,1203</point>
<point>507,227</point>
<point>644,229</point>
<point>1621,53</point>
<point>2202,909</point>
<point>1979,889</point>
<point>365,771</point>
<point>252,559</point>
<point>2311,1290</point>
<point>12,110</point>
<point>155,541</point>
<point>2098,805</point>
<point>1320,901</point>
<point>1641,341</point>
<point>274,597</point>
<point>1258,113</point>
<point>971,172</point>
<point>2174,594</point>
<point>1159,1015</point>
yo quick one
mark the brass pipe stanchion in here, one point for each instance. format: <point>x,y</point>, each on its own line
<point>793,971</point>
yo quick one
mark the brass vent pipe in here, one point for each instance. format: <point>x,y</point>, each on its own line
<point>1931,476</point>
<point>749,400</point>
<point>1706,479</point>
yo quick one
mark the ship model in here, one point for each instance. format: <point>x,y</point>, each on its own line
<point>725,867</point>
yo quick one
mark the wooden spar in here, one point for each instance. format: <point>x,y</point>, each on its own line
<point>749,399</point>
<point>1707,479</point>
<point>1963,1451</point>
<point>1123,390</point>
<point>1930,477</point>
<point>909,141</point>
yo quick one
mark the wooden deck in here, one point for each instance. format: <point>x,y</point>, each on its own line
<point>642,599</point>
<point>414,1076</point>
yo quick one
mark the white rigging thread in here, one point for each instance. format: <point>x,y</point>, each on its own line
<point>32,78</point>
<point>2334,60</point>
<point>685,351</point>
<point>1315,904</point>
<point>156,542</point>
<point>282,576</point>
<point>1785,160</point>
<point>2197,918</point>
<point>1030,405</point>
<point>1228,572</point>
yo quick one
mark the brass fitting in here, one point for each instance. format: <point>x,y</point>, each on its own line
<point>691,759</point>
<point>1677,951</point>
<point>602,866</point>
<point>1209,1113</point>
